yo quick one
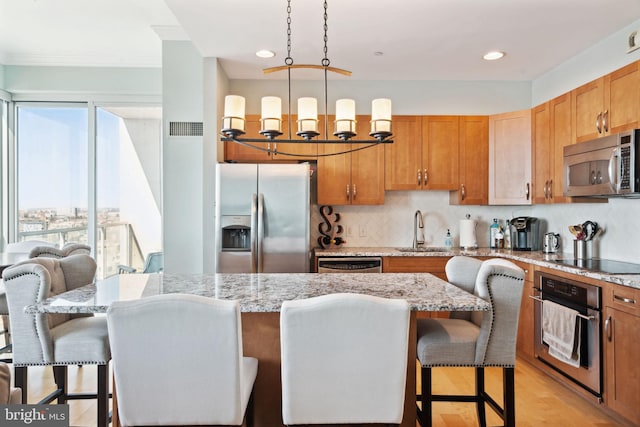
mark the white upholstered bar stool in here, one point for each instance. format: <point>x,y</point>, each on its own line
<point>344,360</point>
<point>474,339</point>
<point>201,378</point>
<point>57,340</point>
<point>15,248</point>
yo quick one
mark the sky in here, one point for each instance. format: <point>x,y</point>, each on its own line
<point>52,151</point>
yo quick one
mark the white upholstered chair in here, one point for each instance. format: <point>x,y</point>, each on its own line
<point>344,359</point>
<point>67,250</point>
<point>8,395</point>
<point>201,378</point>
<point>15,248</point>
<point>56,340</point>
<point>476,339</point>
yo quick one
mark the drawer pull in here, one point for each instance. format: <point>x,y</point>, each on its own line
<point>607,328</point>
<point>623,299</point>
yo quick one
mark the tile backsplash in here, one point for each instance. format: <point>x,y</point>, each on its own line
<point>391,224</point>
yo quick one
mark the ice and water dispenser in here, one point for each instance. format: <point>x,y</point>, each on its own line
<point>236,232</point>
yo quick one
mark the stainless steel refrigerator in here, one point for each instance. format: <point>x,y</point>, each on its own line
<point>262,218</point>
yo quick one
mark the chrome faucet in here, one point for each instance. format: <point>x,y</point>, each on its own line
<point>417,223</point>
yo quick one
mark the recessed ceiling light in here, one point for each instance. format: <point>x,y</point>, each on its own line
<point>265,53</point>
<point>378,53</point>
<point>493,55</point>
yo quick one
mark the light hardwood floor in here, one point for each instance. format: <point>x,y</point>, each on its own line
<point>540,400</point>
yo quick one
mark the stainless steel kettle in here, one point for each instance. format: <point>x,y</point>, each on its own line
<point>551,243</point>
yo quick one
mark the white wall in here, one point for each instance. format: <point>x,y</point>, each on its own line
<point>408,97</point>
<point>183,159</point>
<point>215,81</point>
<point>75,80</point>
<point>140,181</point>
<point>598,60</point>
<point>1,76</point>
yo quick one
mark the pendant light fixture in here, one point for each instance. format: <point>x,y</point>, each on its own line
<point>233,122</point>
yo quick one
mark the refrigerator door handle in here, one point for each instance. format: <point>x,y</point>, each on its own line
<point>260,232</point>
<point>254,232</point>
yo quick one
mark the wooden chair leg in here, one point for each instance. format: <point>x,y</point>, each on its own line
<point>509,405</point>
<point>20,380</point>
<point>60,378</point>
<point>427,400</point>
<point>480,393</point>
<point>103,395</point>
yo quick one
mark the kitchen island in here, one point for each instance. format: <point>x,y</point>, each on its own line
<point>260,297</point>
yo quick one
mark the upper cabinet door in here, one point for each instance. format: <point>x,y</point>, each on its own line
<point>403,158</point>
<point>473,188</point>
<point>367,169</point>
<point>588,110</point>
<point>561,136</point>
<point>622,98</point>
<point>241,153</point>
<point>510,158</point>
<point>542,152</point>
<point>607,105</point>
<point>440,152</point>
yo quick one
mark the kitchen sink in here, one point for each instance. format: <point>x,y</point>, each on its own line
<point>425,249</point>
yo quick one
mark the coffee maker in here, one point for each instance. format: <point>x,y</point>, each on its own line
<point>525,233</point>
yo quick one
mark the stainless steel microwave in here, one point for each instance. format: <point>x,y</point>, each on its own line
<point>603,167</point>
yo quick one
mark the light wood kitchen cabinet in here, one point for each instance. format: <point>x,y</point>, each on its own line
<point>621,338</point>
<point>550,133</point>
<point>607,105</point>
<point>424,155</point>
<point>510,158</point>
<point>403,157</point>
<point>440,152</point>
<point>416,264</point>
<point>473,163</point>
<point>355,178</point>
<point>524,343</point>
<point>301,151</point>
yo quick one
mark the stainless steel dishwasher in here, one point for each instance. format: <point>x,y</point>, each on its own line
<point>350,265</point>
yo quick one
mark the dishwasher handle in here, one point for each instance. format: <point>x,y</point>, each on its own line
<point>350,265</point>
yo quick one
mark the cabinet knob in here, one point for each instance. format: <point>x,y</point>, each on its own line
<point>426,177</point>
<point>546,186</point>
<point>419,178</point>
<point>348,194</point>
<point>551,189</point>
<point>605,119</point>
<point>463,192</point>
<point>354,192</point>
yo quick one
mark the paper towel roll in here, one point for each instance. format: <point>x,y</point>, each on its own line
<point>468,234</point>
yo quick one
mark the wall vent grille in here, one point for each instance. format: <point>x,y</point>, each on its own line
<point>185,129</point>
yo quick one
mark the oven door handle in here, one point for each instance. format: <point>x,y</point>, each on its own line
<point>579,315</point>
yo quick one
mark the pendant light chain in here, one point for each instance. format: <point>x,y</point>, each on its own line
<point>288,60</point>
<point>325,60</point>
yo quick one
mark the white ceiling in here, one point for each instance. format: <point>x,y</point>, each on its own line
<point>420,39</point>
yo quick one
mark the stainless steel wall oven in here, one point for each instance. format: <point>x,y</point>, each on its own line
<point>587,300</point>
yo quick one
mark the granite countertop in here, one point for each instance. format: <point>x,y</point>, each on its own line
<point>536,258</point>
<point>265,292</point>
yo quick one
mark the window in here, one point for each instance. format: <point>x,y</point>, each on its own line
<point>128,177</point>
<point>54,173</point>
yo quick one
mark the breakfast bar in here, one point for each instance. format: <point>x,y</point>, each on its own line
<point>260,297</point>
